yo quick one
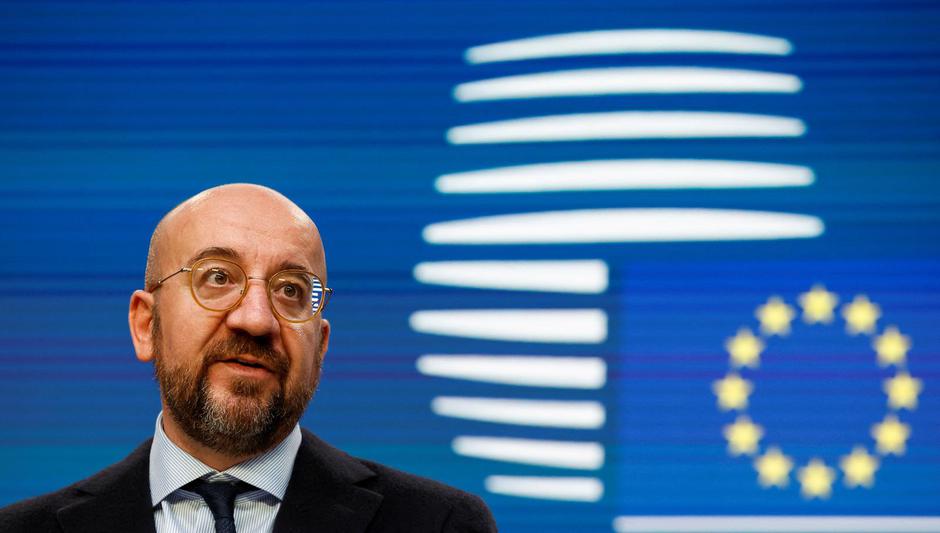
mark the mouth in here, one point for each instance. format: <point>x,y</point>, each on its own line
<point>247,362</point>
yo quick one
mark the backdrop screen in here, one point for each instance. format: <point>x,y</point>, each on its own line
<point>613,266</point>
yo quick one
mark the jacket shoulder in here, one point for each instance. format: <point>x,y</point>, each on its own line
<point>407,494</point>
<point>408,502</point>
<point>40,512</point>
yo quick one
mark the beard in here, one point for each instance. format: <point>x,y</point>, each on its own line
<point>242,420</point>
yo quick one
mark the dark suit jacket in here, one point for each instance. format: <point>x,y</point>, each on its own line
<point>329,491</point>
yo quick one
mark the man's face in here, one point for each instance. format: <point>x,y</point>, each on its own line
<point>237,381</point>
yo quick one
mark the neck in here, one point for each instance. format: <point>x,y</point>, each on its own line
<point>211,457</point>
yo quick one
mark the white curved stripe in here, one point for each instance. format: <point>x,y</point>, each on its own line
<point>583,277</point>
<point>526,325</point>
<point>522,370</point>
<point>627,125</point>
<point>561,454</point>
<point>626,174</point>
<point>776,524</point>
<point>627,80</point>
<point>572,489</point>
<point>647,41</point>
<point>624,225</point>
<point>539,413</point>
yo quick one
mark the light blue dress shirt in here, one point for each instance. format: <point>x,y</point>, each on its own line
<point>176,510</point>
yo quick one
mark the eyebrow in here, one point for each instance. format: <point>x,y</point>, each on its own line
<point>231,254</point>
<point>215,251</point>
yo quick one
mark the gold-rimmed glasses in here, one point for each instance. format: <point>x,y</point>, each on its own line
<point>220,285</point>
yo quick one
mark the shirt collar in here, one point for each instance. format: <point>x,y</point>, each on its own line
<point>171,467</point>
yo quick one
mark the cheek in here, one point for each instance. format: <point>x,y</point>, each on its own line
<point>302,344</point>
<point>296,331</point>
<point>185,331</point>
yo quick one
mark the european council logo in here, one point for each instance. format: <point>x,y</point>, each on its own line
<point>556,308</point>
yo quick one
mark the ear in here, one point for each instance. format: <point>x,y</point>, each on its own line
<point>324,338</point>
<point>140,320</point>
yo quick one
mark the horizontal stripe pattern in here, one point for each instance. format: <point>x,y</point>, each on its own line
<point>631,41</point>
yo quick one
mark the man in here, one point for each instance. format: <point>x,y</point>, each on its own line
<point>232,320</point>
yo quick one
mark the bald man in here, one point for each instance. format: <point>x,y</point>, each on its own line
<point>232,319</point>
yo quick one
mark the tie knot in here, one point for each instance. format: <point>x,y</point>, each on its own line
<point>220,497</point>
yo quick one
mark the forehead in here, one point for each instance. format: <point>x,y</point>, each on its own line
<point>257,229</point>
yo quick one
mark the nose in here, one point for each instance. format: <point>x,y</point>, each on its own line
<point>254,315</point>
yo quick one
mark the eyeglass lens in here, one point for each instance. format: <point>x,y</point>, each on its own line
<point>218,284</point>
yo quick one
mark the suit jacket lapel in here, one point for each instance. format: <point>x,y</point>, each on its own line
<point>322,494</point>
<point>116,499</point>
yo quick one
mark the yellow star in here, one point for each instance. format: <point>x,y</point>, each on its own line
<point>818,305</point>
<point>859,468</point>
<point>732,392</point>
<point>775,316</point>
<point>860,315</point>
<point>816,479</point>
<point>902,391</point>
<point>891,435</point>
<point>773,468</point>
<point>892,347</point>
<point>745,349</point>
<point>743,436</point>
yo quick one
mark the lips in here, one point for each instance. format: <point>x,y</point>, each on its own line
<point>249,361</point>
<point>247,355</point>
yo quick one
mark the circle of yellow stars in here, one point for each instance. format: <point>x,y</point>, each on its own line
<point>858,467</point>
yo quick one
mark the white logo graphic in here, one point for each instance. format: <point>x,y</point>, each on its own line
<point>586,326</point>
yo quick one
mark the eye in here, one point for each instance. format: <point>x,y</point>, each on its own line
<point>217,277</point>
<point>291,291</point>
<point>291,288</point>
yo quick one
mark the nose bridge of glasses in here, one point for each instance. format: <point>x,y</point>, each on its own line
<point>247,287</point>
<point>243,292</point>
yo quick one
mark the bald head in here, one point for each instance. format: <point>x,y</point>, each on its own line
<point>239,212</point>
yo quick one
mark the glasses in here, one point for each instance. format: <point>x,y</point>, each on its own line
<point>220,285</point>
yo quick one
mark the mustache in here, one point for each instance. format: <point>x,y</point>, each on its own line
<point>240,343</point>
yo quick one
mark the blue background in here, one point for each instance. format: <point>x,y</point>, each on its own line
<point>112,112</point>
